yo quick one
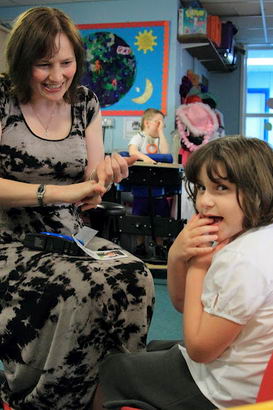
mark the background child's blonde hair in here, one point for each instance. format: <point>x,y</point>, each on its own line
<point>148,115</point>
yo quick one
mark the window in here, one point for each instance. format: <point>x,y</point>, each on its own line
<point>259,115</point>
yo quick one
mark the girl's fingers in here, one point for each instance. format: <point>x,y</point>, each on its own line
<point>205,239</point>
<point>200,226</point>
<point>202,251</point>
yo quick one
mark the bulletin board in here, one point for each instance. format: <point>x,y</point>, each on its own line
<point>127,65</point>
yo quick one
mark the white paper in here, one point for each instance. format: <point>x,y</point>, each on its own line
<point>85,235</point>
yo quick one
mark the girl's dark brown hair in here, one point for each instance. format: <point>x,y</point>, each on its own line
<point>33,38</point>
<point>248,163</point>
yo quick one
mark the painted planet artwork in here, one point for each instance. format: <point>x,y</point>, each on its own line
<point>110,67</point>
<point>127,65</point>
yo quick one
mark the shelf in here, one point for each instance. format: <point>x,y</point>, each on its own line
<point>200,47</point>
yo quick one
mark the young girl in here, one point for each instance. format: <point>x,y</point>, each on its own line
<point>220,274</point>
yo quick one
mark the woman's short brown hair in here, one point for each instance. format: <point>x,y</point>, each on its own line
<point>33,38</point>
<point>248,163</point>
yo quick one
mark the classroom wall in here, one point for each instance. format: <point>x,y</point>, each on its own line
<point>226,88</point>
<point>179,58</point>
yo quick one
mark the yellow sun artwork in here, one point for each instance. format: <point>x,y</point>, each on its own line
<point>145,41</point>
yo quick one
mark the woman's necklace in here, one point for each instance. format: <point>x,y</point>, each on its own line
<point>48,122</point>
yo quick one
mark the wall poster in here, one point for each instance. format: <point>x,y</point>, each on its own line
<point>127,65</point>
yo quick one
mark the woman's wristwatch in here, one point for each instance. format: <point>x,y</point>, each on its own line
<point>40,194</point>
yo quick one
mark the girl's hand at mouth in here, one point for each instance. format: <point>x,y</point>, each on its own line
<point>195,239</point>
<point>203,261</point>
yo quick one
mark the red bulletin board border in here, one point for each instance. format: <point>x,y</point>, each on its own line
<point>165,63</point>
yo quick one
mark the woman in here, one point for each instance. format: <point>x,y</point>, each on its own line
<point>60,314</point>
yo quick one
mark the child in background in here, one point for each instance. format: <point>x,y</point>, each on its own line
<point>220,275</point>
<point>149,140</point>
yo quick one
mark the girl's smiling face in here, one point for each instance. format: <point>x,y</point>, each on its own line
<point>218,201</point>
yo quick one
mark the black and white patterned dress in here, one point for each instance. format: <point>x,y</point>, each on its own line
<point>59,314</point>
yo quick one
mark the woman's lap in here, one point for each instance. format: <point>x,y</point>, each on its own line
<point>61,315</point>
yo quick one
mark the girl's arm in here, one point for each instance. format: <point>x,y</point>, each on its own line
<point>133,150</point>
<point>206,336</point>
<point>163,143</point>
<point>176,278</point>
<point>191,241</point>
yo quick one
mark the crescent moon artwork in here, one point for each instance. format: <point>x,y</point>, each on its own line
<point>142,99</point>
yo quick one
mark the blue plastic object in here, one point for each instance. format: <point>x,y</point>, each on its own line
<point>156,157</point>
<point>142,191</point>
<point>58,235</point>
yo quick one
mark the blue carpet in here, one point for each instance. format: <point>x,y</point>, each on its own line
<point>167,322</point>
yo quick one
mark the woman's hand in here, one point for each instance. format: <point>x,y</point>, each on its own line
<point>94,198</point>
<point>86,194</point>
<point>113,168</point>
<point>195,239</point>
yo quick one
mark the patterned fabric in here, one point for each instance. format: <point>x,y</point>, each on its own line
<point>59,314</point>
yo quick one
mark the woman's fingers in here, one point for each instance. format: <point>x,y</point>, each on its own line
<point>119,167</point>
<point>131,160</point>
<point>104,171</point>
<point>93,198</point>
<point>113,169</point>
<point>91,203</point>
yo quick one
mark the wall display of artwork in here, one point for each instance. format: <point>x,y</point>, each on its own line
<point>131,126</point>
<point>127,65</point>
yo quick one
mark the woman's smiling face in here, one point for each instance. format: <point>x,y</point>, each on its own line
<point>52,77</point>
<point>218,201</point>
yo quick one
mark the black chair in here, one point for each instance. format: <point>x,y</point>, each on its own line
<point>105,219</point>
